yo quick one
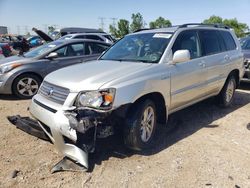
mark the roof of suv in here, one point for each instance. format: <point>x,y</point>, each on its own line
<point>173,29</point>
<point>77,34</point>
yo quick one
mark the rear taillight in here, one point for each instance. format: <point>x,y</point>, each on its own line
<point>1,51</point>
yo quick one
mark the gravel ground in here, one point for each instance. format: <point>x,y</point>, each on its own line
<point>207,147</point>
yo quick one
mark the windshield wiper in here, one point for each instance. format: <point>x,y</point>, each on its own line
<point>131,60</point>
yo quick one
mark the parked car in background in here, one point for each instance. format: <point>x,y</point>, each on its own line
<point>20,44</point>
<point>6,49</point>
<point>94,36</point>
<point>1,54</point>
<point>35,41</point>
<point>77,33</point>
<point>135,85</point>
<point>246,51</point>
<point>22,75</point>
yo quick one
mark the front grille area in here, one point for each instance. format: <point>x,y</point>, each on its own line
<point>54,93</point>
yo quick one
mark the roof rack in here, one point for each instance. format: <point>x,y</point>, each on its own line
<point>138,30</point>
<point>204,25</point>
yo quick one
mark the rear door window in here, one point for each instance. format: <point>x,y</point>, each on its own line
<point>76,49</point>
<point>228,39</point>
<point>209,42</point>
<point>96,48</point>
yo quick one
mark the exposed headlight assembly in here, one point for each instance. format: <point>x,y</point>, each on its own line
<point>101,99</point>
<point>7,68</point>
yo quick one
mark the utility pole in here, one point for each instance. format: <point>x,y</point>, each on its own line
<point>9,30</point>
<point>114,21</point>
<point>102,22</point>
<point>26,29</point>
<point>18,29</point>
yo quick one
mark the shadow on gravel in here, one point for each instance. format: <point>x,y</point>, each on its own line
<point>245,86</point>
<point>180,125</point>
<point>6,97</point>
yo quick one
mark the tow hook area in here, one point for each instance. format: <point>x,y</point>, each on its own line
<point>89,125</point>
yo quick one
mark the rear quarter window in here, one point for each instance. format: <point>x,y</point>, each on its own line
<point>228,40</point>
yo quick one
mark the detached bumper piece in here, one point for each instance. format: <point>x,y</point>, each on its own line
<point>67,164</point>
<point>29,126</point>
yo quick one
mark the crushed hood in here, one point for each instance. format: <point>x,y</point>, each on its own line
<point>92,75</point>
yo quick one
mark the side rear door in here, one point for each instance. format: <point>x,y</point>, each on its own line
<point>217,59</point>
<point>188,79</point>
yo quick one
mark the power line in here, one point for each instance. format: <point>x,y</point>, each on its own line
<point>102,24</point>
<point>18,29</point>
<point>114,20</point>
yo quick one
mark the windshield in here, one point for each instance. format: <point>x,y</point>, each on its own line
<point>147,47</point>
<point>42,49</point>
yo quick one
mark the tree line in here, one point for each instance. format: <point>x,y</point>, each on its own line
<point>125,27</point>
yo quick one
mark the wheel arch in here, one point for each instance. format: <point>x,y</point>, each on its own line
<point>236,74</point>
<point>159,101</point>
<point>23,73</point>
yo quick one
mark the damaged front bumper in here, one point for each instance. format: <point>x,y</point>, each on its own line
<point>73,132</point>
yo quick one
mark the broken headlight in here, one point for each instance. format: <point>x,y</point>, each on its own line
<point>7,68</point>
<point>101,99</point>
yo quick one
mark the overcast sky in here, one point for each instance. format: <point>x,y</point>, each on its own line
<point>22,15</point>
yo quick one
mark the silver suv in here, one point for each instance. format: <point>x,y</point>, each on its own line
<point>135,85</point>
<point>104,37</point>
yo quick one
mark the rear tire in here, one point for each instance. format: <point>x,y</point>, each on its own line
<point>26,86</point>
<point>140,126</point>
<point>225,98</point>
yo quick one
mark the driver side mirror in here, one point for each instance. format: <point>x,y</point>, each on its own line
<point>52,55</point>
<point>181,56</point>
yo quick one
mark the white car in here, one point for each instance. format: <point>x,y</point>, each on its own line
<point>135,85</point>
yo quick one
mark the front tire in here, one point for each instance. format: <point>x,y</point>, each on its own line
<point>26,86</point>
<point>140,126</point>
<point>225,98</point>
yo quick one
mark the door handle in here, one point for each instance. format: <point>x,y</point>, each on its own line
<point>226,57</point>
<point>202,65</point>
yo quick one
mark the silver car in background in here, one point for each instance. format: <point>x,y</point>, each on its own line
<point>246,51</point>
<point>104,37</point>
<point>22,75</point>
